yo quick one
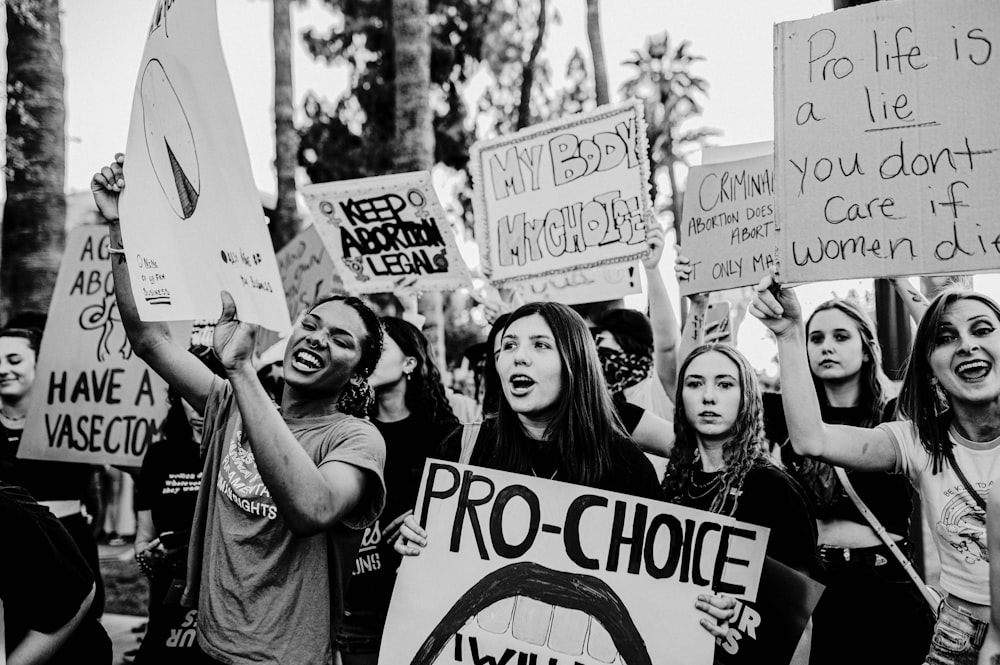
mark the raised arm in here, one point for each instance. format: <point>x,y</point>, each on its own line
<point>311,499</point>
<point>851,447</point>
<point>150,340</point>
<point>661,315</point>
<point>916,303</point>
<point>693,333</point>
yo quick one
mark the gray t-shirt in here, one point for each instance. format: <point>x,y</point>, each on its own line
<point>265,595</point>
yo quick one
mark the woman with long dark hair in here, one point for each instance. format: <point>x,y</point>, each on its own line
<point>946,446</point>
<point>412,413</point>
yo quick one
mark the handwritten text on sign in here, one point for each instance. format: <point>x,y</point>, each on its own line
<point>728,226</point>
<point>888,151</point>
<point>386,231</point>
<point>529,570</point>
<point>95,401</point>
<point>568,194</point>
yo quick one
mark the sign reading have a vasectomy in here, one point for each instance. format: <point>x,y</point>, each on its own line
<point>192,221</point>
<point>887,119</point>
<point>387,231</point>
<point>94,401</point>
<point>568,194</point>
<point>519,569</point>
<point>728,226</point>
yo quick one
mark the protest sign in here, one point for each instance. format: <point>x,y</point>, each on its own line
<point>715,154</point>
<point>387,232</point>
<point>94,401</point>
<point>727,230</point>
<point>887,127</point>
<point>192,221</point>
<point>521,569</point>
<point>572,193</point>
<point>607,282</point>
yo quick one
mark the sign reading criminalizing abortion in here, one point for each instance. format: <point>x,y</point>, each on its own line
<point>192,221</point>
<point>573,193</point>
<point>94,400</point>
<point>519,569</point>
<point>887,119</point>
<point>386,231</point>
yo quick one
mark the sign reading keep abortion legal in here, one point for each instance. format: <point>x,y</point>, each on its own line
<point>562,195</point>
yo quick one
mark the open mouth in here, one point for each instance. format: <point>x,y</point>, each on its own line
<point>973,370</point>
<point>307,361</point>
<point>569,613</point>
<point>520,385</point>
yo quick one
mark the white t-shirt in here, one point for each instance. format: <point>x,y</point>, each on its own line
<point>650,395</point>
<point>957,521</point>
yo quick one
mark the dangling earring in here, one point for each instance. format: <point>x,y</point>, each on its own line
<point>940,398</point>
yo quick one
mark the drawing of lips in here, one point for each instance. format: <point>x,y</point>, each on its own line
<point>169,141</point>
<point>552,601</point>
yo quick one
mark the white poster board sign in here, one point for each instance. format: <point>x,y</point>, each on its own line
<point>887,126</point>
<point>526,570</point>
<point>727,230</point>
<point>192,222</point>
<point>387,233</point>
<point>607,282</point>
<point>94,402</point>
<point>572,193</point>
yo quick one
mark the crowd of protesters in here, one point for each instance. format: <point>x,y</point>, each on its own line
<point>293,560</point>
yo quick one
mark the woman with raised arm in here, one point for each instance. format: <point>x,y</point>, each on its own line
<point>413,414</point>
<point>947,445</point>
<point>286,492</point>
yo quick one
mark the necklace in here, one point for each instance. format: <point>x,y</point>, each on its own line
<point>535,473</point>
<point>696,490</point>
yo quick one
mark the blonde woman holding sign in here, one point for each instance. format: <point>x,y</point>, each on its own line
<point>948,446</point>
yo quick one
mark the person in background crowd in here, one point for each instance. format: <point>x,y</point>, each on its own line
<point>46,589</point>
<point>286,492</point>
<point>414,416</point>
<point>59,486</point>
<point>947,445</point>
<point>556,420</point>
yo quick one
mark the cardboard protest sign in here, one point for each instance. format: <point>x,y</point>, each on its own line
<point>94,401</point>
<point>607,282</point>
<point>523,570</point>
<point>728,229</point>
<point>887,126</point>
<point>572,193</point>
<point>192,221</point>
<point>387,232</point>
<point>716,154</point>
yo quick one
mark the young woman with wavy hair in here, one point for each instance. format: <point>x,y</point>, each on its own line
<point>947,445</point>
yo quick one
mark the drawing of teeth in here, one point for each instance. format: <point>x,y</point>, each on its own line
<point>572,614</point>
<point>169,141</point>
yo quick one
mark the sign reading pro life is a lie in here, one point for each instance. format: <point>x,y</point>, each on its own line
<point>519,569</point>
<point>94,400</point>
<point>887,126</point>
<point>562,195</point>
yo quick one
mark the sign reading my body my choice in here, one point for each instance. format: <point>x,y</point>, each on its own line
<point>94,400</point>
<point>562,195</point>
<point>887,119</point>
<point>519,569</point>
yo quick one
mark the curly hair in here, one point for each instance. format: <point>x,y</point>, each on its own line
<point>742,452</point>
<point>425,393</point>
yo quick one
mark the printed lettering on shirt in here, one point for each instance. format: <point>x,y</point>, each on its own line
<point>240,481</point>
<point>368,558</point>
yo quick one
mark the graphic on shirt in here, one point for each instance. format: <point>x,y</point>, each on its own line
<point>240,481</point>
<point>963,525</point>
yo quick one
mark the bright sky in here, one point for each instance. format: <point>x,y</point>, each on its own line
<point>103,42</point>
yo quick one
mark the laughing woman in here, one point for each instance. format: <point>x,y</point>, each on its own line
<point>947,445</point>
<point>286,492</point>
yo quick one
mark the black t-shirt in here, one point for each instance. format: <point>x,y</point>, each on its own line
<point>630,471</point>
<point>889,496</point>
<point>771,498</point>
<point>168,484</point>
<point>46,481</point>
<point>408,444</point>
<point>43,580</point>
<point>629,413</point>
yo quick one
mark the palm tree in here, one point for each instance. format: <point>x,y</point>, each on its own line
<point>597,51</point>
<point>285,222</point>
<point>528,76</point>
<point>34,217</point>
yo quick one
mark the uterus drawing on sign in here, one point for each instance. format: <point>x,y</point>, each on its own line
<point>105,317</point>
<point>170,141</point>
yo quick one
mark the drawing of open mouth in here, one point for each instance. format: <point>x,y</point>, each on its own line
<point>169,141</point>
<point>572,614</point>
